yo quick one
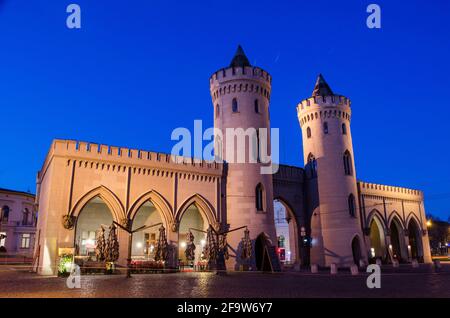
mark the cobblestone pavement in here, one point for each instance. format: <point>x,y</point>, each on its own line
<point>423,282</point>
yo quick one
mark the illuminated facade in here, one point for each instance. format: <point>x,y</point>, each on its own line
<point>18,219</point>
<point>329,216</point>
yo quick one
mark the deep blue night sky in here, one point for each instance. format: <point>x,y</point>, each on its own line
<point>135,62</point>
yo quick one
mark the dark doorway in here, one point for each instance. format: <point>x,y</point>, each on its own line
<point>262,257</point>
<point>415,241</point>
<point>395,242</point>
<point>356,250</point>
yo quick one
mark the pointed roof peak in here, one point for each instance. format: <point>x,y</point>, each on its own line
<point>239,59</point>
<point>321,88</point>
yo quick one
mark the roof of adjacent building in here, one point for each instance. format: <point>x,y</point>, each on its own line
<point>16,192</point>
<point>322,88</point>
<point>240,59</point>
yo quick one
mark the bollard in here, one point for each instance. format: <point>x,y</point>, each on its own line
<point>314,268</point>
<point>354,269</point>
<point>333,269</point>
<point>395,263</point>
<point>414,263</point>
<point>437,263</point>
<point>378,262</point>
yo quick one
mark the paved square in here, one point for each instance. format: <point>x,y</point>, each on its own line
<point>423,282</point>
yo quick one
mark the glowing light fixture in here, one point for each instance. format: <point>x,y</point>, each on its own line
<point>183,244</point>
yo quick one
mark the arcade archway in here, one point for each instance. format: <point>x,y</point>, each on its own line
<point>91,218</point>
<point>377,240</point>
<point>191,218</point>
<point>144,242</point>
<point>397,247</point>
<point>286,231</point>
<point>415,240</point>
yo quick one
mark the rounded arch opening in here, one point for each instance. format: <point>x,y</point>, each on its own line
<point>286,231</point>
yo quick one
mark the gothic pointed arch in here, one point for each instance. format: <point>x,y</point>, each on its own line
<point>412,217</point>
<point>414,233</point>
<point>395,216</point>
<point>205,208</point>
<point>376,214</point>
<point>161,204</point>
<point>107,196</point>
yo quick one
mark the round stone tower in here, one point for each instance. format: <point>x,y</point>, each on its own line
<point>240,95</point>
<point>332,204</point>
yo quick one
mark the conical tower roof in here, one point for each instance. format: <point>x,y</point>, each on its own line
<point>239,59</point>
<point>321,88</point>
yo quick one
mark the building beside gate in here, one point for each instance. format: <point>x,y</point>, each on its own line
<point>18,218</point>
<point>328,216</point>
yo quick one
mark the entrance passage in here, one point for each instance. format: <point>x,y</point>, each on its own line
<point>415,240</point>
<point>144,242</point>
<point>377,240</point>
<point>191,219</point>
<point>92,217</point>
<point>397,241</point>
<point>285,227</point>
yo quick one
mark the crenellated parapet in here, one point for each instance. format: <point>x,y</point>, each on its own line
<point>240,79</point>
<point>321,107</point>
<point>381,190</point>
<point>112,158</point>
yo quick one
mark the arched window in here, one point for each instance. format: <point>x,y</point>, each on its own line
<point>259,196</point>
<point>308,132</point>
<point>25,215</point>
<point>5,214</point>
<point>325,128</point>
<point>351,205</point>
<point>347,163</point>
<point>217,110</point>
<point>312,166</point>
<point>344,129</point>
<point>256,106</point>
<point>234,106</point>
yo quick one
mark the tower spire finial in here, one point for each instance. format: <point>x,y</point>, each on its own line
<point>239,59</point>
<point>321,88</point>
